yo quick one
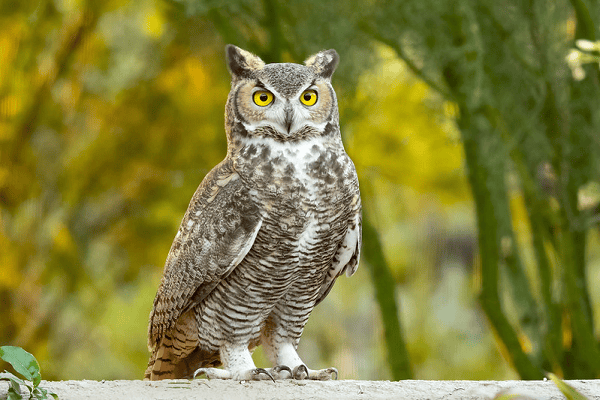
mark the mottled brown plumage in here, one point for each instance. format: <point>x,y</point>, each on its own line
<point>267,232</point>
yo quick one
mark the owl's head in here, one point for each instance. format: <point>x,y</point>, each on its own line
<point>286,102</point>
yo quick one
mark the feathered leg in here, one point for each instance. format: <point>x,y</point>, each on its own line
<point>280,348</point>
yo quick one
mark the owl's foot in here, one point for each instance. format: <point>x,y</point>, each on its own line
<point>283,353</point>
<point>302,372</point>
<point>255,374</point>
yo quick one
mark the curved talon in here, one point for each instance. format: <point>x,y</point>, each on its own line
<point>331,371</point>
<point>279,368</point>
<point>256,373</point>
<point>300,369</point>
<point>200,372</point>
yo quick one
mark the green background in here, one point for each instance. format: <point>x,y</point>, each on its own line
<point>476,149</point>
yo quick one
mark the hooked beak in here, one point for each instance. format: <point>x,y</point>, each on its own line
<point>289,117</point>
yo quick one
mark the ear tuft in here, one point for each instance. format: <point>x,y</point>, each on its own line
<point>242,63</point>
<point>324,62</point>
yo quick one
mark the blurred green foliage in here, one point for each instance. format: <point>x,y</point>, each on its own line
<point>111,113</point>
<point>530,134</point>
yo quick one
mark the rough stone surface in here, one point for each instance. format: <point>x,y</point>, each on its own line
<point>282,390</point>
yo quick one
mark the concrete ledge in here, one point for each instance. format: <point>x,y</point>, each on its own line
<point>283,390</point>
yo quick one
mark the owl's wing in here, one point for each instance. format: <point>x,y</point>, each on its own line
<point>217,231</point>
<point>348,252</point>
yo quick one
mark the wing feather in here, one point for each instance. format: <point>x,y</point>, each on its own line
<point>217,231</point>
<point>347,255</point>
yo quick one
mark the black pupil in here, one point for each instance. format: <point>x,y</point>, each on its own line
<point>264,97</point>
<point>307,96</point>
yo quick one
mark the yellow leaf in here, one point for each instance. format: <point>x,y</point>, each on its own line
<point>10,276</point>
<point>10,106</point>
<point>62,238</point>
<point>154,24</point>
<point>566,389</point>
<point>510,396</point>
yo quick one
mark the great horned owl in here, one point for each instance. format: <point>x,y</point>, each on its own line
<point>267,232</point>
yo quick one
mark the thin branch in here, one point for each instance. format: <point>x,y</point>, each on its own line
<point>526,304</point>
<point>535,207</point>
<point>385,292</point>
<point>488,231</point>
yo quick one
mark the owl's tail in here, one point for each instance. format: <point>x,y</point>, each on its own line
<point>161,364</point>
<point>168,362</point>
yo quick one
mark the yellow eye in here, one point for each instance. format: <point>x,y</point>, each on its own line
<point>262,98</point>
<point>308,97</point>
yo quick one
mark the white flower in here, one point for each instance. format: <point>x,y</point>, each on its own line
<point>578,73</point>
<point>587,45</point>
<point>574,62</point>
<point>576,57</point>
